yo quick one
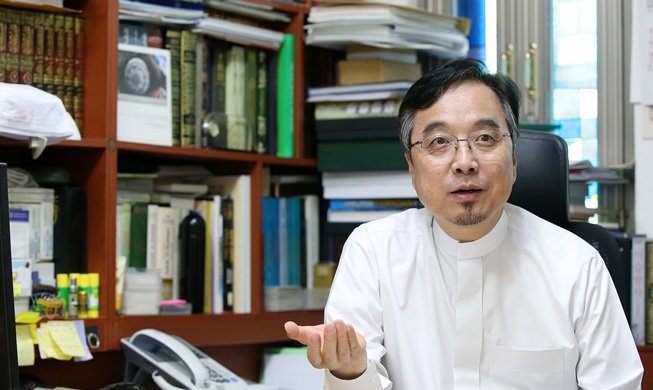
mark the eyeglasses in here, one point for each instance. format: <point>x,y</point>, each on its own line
<point>483,142</point>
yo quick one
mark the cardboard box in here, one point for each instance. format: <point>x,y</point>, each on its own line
<point>376,71</point>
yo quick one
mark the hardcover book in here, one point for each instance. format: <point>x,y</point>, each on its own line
<point>187,87</point>
<point>13,46</point>
<point>39,49</point>
<point>237,130</point>
<point>285,98</point>
<point>78,77</point>
<point>214,127</point>
<point>69,63</point>
<point>3,43</point>
<point>26,57</point>
<point>173,43</point>
<point>59,56</point>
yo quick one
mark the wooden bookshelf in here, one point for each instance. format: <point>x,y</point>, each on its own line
<point>646,353</point>
<point>236,340</point>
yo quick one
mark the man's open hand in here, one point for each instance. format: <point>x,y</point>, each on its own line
<point>336,347</point>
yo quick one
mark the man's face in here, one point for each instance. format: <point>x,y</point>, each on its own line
<point>465,189</point>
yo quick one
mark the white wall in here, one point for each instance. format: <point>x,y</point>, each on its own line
<point>643,121</point>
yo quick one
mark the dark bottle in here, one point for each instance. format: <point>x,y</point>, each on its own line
<point>192,241</point>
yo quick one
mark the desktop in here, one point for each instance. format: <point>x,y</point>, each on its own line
<point>8,351</point>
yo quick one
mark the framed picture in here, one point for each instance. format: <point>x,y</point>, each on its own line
<point>144,100</point>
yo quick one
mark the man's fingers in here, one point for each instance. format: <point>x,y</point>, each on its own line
<point>293,331</point>
<point>343,350</point>
<point>355,346</point>
<point>314,351</point>
<point>330,346</point>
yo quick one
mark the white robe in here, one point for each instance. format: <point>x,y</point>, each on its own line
<point>528,306</point>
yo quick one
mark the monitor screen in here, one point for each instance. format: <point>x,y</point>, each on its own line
<point>8,355</point>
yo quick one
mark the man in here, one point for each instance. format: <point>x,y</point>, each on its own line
<point>469,292</point>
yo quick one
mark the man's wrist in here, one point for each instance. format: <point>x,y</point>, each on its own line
<point>351,373</point>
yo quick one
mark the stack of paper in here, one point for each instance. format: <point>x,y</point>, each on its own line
<point>240,33</point>
<point>283,298</point>
<point>359,92</point>
<point>384,25</point>
<point>187,13</point>
<point>368,185</point>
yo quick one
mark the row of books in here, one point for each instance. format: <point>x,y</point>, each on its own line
<point>206,89</point>
<point>45,50</point>
<point>148,232</point>
<point>290,240</point>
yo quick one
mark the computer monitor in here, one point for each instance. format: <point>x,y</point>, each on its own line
<point>9,378</point>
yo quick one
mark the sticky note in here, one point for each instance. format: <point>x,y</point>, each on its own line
<point>32,331</point>
<point>65,335</point>
<point>28,317</point>
<point>25,346</point>
<point>48,347</point>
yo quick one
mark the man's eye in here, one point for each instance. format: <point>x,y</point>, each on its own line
<point>440,141</point>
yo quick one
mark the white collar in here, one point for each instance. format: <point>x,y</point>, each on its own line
<point>473,249</point>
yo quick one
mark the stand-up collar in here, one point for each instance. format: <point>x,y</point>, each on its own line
<point>473,249</point>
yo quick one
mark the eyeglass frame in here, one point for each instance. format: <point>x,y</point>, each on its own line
<point>469,143</point>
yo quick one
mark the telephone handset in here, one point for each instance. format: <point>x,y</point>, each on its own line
<point>172,362</point>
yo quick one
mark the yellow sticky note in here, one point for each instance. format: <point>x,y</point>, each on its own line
<point>65,336</point>
<point>49,346</point>
<point>25,346</point>
<point>32,331</point>
<point>28,317</point>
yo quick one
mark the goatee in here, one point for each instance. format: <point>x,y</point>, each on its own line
<point>469,216</point>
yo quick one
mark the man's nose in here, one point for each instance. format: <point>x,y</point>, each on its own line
<point>464,158</point>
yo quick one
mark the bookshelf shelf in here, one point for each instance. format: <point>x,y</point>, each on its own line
<point>646,353</point>
<point>218,329</point>
<point>208,154</point>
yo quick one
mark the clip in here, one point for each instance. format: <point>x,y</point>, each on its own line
<point>37,144</point>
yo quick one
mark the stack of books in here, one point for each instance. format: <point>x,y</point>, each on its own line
<point>356,126</point>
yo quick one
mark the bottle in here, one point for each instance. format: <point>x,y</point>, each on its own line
<point>93,295</point>
<point>192,241</point>
<point>72,298</point>
<point>82,287</point>
<point>62,289</point>
<point>82,305</point>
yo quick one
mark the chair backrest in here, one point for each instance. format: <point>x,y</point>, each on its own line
<point>542,187</point>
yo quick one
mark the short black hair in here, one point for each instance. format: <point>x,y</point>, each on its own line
<point>430,87</point>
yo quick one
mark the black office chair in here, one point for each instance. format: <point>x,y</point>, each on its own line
<point>542,187</point>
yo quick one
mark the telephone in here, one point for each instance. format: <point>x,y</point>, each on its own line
<point>171,362</point>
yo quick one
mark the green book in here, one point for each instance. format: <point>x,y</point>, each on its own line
<point>285,96</point>
<point>360,155</point>
<point>138,236</point>
<point>251,86</point>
